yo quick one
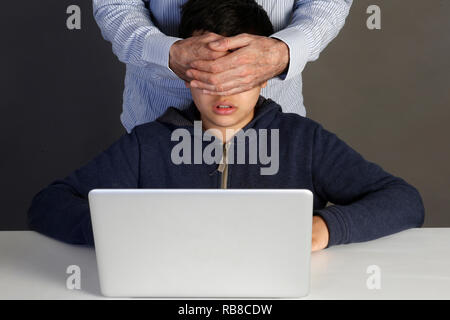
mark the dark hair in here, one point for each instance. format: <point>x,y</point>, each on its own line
<point>225,17</point>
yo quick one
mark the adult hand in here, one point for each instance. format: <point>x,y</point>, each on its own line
<point>254,60</point>
<point>184,52</point>
<point>320,234</point>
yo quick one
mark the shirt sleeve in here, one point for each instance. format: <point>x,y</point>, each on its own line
<point>61,210</point>
<point>135,39</point>
<point>367,202</point>
<point>314,24</point>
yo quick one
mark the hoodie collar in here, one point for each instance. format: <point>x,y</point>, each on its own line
<point>265,111</point>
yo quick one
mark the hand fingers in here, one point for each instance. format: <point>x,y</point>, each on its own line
<point>221,64</point>
<point>208,66</point>
<point>227,93</point>
<point>210,36</point>
<point>228,89</point>
<point>202,86</point>
<point>205,54</point>
<point>197,47</point>
<point>224,81</point>
<point>231,43</point>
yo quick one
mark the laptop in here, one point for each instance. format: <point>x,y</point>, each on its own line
<point>197,243</point>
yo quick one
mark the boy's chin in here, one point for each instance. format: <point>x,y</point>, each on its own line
<point>224,122</point>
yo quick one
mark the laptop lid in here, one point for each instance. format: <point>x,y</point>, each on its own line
<point>202,243</point>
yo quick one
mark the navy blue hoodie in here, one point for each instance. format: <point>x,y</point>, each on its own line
<point>367,202</point>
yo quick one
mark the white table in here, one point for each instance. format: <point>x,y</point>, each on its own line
<point>414,264</point>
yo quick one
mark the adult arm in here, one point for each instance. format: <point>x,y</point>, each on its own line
<point>61,210</point>
<point>368,203</point>
<point>314,24</point>
<point>136,40</point>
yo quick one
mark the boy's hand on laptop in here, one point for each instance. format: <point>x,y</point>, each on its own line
<point>184,52</point>
<point>252,61</point>
<point>320,234</point>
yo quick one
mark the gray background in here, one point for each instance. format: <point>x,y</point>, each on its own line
<point>385,92</point>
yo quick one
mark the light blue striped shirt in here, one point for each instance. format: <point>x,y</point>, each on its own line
<point>142,41</point>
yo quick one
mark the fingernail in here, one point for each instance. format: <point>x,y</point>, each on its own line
<point>189,74</point>
<point>194,85</point>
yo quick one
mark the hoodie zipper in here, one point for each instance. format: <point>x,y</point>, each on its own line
<point>223,166</point>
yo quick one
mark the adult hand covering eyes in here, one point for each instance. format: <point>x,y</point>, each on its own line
<point>228,65</point>
<point>184,52</point>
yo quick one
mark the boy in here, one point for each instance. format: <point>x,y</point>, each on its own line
<point>368,203</point>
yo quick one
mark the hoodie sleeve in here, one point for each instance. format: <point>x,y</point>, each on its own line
<point>61,210</point>
<point>368,203</point>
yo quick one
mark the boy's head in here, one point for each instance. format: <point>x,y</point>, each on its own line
<point>227,18</point>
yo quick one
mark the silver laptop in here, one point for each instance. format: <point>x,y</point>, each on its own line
<point>188,243</point>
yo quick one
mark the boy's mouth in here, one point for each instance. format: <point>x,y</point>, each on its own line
<point>224,108</point>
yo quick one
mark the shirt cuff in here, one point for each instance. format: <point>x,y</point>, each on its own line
<point>156,51</point>
<point>337,228</point>
<point>298,51</point>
